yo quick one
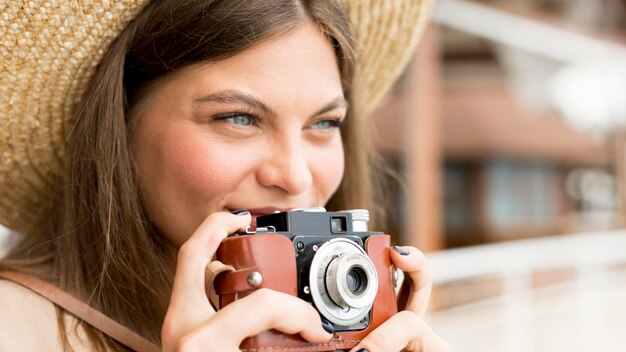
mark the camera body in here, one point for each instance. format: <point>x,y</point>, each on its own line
<point>327,258</point>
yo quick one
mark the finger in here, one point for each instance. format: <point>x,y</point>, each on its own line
<point>263,310</point>
<point>403,331</point>
<point>414,264</point>
<point>189,305</point>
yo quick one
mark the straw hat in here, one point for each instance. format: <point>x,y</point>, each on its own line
<point>50,50</point>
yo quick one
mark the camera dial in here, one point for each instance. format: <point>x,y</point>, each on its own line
<point>343,281</point>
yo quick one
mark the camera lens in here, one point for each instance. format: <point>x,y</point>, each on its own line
<point>343,281</point>
<point>356,280</point>
<point>351,280</point>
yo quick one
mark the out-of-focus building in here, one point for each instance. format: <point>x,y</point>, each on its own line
<point>509,131</point>
<point>511,164</point>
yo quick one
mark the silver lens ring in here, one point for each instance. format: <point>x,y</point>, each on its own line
<point>339,288</point>
<point>337,314</point>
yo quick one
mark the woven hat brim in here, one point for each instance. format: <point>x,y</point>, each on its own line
<point>387,33</point>
<point>50,51</point>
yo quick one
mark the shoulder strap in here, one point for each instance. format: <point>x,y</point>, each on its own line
<point>82,310</point>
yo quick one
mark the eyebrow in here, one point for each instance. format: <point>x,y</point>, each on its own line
<point>339,102</point>
<point>230,96</point>
<point>235,97</point>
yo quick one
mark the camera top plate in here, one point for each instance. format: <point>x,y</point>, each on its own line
<point>311,223</point>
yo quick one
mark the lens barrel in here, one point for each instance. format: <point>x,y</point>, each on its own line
<point>356,280</point>
<point>343,281</point>
<point>347,280</point>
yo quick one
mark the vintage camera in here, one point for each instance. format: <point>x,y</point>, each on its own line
<point>333,269</point>
<point>327,258</point>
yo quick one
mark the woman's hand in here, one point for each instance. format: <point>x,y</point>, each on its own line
<point>191,324</point>
<point>407,331</point>
<point>413,262</point>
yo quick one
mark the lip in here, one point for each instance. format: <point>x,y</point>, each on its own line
<point>267,210</point>
<point>262,210</point>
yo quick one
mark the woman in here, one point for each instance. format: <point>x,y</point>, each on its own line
<point>197,110</point>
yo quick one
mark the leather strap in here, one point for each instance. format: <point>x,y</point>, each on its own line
<point>236,281</point>
<point>213,270</point>
<point>83,311</point>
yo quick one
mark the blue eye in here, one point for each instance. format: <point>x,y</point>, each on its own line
<point>241,119</point>
<point>327,124</point>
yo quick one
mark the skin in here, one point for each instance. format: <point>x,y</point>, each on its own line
<point>201,155</point>
<point>196,155</point>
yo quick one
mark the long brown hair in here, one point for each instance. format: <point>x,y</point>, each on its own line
<point>93,238</point>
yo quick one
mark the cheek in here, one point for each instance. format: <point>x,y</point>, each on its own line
<point>329,169</point>
<point>185,172</point>
<point>184,175</point>
<point>199,169</point>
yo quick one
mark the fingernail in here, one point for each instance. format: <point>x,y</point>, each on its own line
<point>402,251</point>
<point>241,212</point>
<point>328,326</point>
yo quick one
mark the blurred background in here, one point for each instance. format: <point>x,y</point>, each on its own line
<point>508,131</point>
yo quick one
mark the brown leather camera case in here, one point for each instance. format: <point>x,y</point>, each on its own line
<point>273,256</point>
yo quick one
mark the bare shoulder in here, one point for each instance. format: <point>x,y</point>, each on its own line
<point>28,321</point>
<point>13,294</point>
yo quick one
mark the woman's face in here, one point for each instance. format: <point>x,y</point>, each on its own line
<point>257,131</point>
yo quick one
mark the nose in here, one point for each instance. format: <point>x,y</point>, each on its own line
<point>286,167</point>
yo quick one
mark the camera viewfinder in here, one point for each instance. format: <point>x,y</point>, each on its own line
<point>338,224</point>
